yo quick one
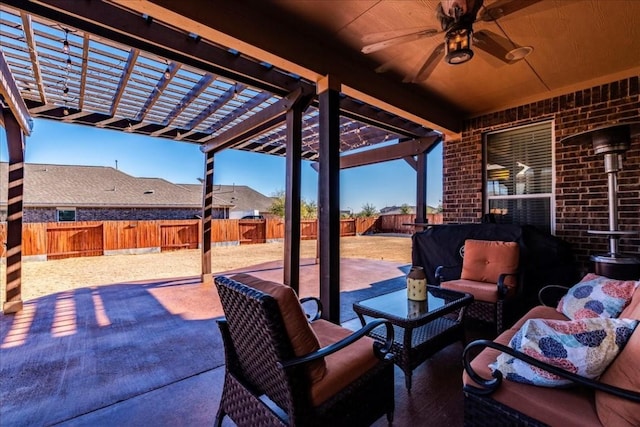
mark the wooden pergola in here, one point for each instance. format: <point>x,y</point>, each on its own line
<point>101,65</point>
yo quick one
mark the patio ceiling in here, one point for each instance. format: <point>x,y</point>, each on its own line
<point>189,89</point>
<point>576,44</point>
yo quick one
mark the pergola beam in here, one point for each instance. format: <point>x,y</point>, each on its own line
<point>85,65</point>
<point>11,94</point>
<point>274,112</point>
<point>397,151</point>
<point>188,98</point>
<point>35,63</point>
<point>124,79</point>
<point>212,108</point>
<point>157,91</point>
<point>390,152</point>
<point>255,101</point>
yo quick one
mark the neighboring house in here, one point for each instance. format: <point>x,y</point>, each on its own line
<point>245,200</point>
<point>97,193</point>
<point>397,210</point>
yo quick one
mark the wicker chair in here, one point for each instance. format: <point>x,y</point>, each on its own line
<point>266,384</point>
<point>489,273</point>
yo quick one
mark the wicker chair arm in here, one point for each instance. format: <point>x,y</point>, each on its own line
<point>502,288</point>
<point>318,304</point>
<point>550,295</point>
<point>491,385</point>
<point>439,273</point>
<point>382,351</point>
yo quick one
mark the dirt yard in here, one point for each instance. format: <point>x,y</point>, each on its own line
<point>43,278</point>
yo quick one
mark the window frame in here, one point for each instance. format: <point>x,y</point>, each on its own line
<point>485,176</point>
<point>60,210</point>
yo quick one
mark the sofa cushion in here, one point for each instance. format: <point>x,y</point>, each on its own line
<point>539,312</point>
<point>585,347</point>
<point>303,339</point>
<point>485,260</point>
<point>343,366</point>
<point>571,407</point>
<point>597,296</point>
<point>623,372</point>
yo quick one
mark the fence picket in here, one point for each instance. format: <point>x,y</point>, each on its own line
<point>57,240</point>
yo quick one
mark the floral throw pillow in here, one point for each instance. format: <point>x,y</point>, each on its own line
<point>584,347</point>
<point>597,296</point>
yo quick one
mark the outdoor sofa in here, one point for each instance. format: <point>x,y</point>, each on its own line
<point>609,399</point>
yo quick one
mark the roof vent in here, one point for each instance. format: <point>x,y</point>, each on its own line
<point>149,192</point>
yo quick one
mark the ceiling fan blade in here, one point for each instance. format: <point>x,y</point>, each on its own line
<point>409,35</point>
<point>430,64</point>
<point>386,35</point>
<point>503,8</point>
<point>494,44</point>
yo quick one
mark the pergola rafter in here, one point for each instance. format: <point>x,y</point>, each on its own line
<point>35,62</point>
<point>173,68</point>
<point>124,79</point>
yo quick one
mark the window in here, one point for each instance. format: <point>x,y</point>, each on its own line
<point>519,176</point>
<point>66,214</point>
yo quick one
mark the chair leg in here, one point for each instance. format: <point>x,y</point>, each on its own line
<point>499,319</point>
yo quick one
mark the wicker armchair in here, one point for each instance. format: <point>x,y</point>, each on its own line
<point>490,274</point>
<point>266,384</point>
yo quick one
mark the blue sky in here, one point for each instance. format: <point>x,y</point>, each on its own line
<point>385,184</point>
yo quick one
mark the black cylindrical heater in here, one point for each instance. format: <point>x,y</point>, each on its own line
<point>612,141</point>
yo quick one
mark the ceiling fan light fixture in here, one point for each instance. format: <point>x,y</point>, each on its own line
<point>458,43</point>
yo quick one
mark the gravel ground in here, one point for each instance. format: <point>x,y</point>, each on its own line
<point>41,278</point>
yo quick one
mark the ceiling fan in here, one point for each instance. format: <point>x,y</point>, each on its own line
<point>456,19</point>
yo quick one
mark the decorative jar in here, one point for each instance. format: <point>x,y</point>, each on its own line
<point>416,284</point>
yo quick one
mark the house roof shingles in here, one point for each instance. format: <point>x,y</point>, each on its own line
<point>99,186</point>
<point>243,198</point>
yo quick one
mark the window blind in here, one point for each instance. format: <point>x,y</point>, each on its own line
<point>519,175</point>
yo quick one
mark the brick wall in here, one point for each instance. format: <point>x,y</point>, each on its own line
<point>581,190</point>
<point>127,214</point>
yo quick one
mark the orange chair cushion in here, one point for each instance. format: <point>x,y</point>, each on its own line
<point>481,291</point>
<point>303,339</point>
<point>623,372</point>
<point>485,260</point>
<point>344,366</point>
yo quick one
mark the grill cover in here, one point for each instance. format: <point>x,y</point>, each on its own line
<point>544,258</point>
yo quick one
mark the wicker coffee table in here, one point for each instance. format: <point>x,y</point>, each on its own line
<point>421,328</point>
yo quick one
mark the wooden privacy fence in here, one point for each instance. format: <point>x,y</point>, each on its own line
<point>56,240</point>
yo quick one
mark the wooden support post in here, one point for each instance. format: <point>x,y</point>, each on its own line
<point>292,197</point>
<point>329,203</point>
<point>207,213</point>
<point>15,195</point>
<point>421,189</point>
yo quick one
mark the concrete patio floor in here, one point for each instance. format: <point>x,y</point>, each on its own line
<point>149,353</point>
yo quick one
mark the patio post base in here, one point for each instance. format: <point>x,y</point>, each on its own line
<point>10,307</point>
